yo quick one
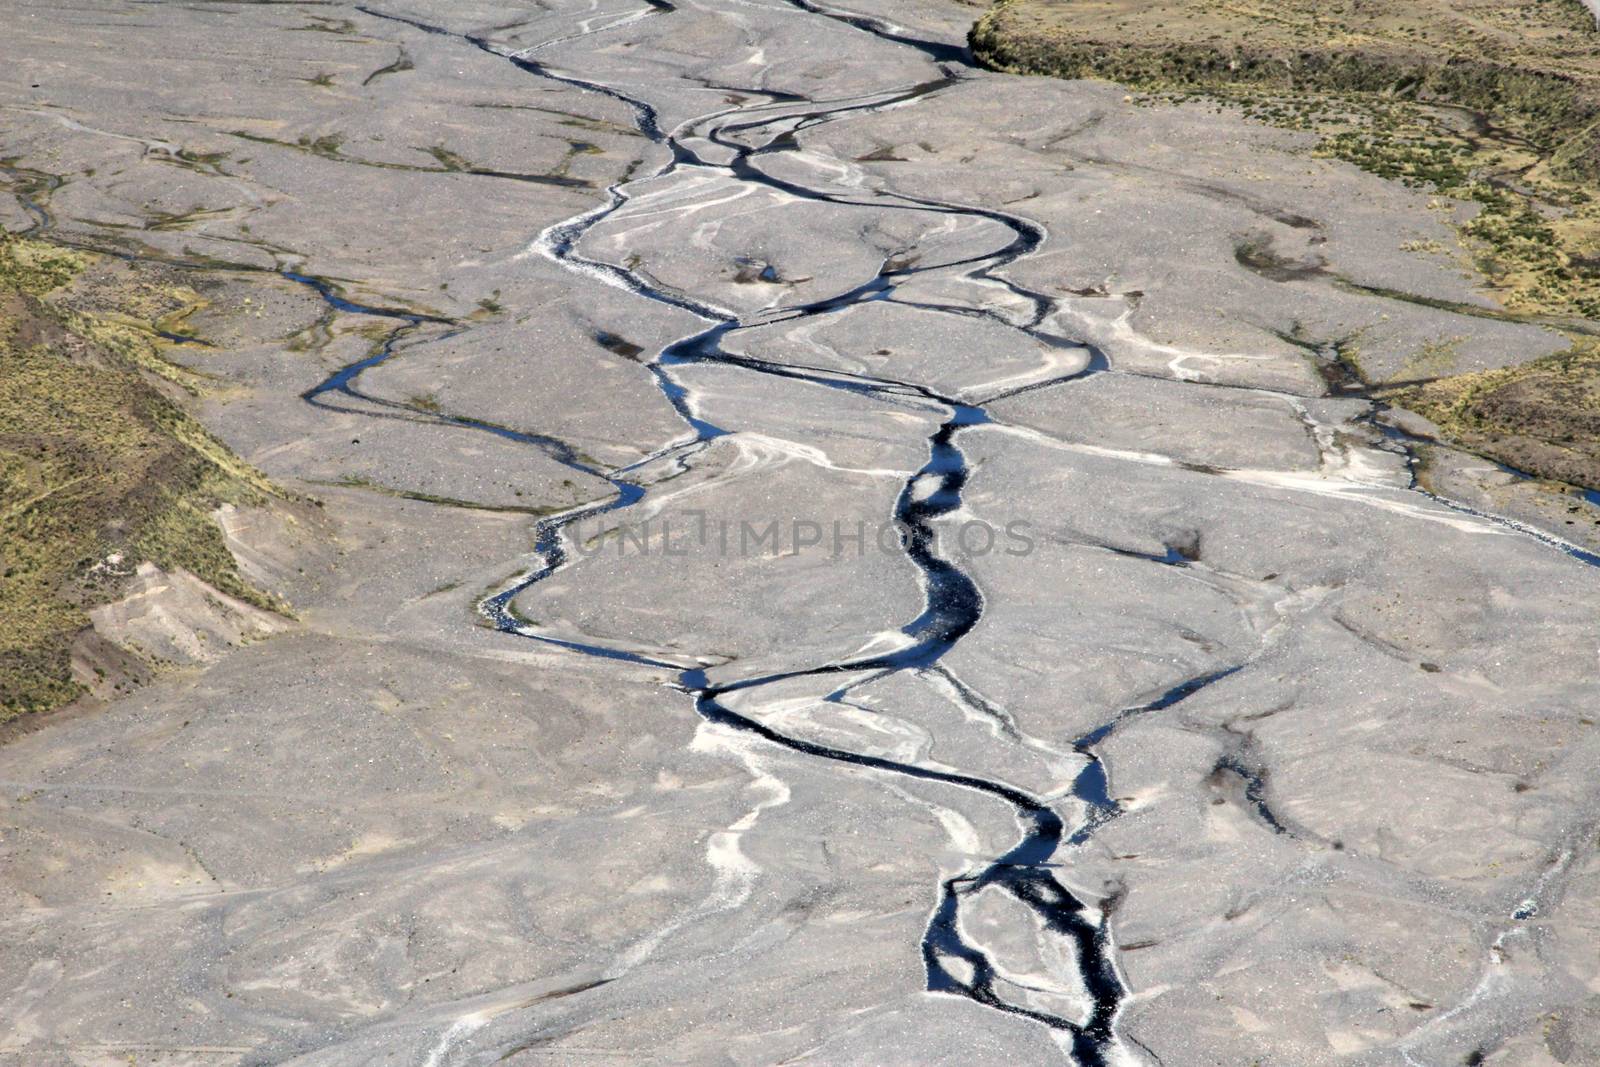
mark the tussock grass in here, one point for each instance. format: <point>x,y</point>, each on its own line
<point>100,469</point>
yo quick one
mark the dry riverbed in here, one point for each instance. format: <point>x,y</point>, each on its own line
<point>1261,731</point>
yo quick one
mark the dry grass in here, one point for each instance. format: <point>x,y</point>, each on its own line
<point>1529,61</point>
<point>1542,417</point>
<point>100,469</point>
<point>1495,102</point>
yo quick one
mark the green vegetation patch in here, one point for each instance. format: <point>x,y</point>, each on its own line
<point>100,470</point>
<point>1532,61</point>
<point>1541,417</point>
<point>1534,238</point>
<point>1496,104</point>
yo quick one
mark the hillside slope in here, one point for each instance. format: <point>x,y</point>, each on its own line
<point>106,488</point>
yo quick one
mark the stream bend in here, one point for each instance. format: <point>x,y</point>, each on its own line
<point>736,142</point>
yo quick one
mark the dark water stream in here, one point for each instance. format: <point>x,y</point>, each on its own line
<point>953,602</point>
<point>736,142</point>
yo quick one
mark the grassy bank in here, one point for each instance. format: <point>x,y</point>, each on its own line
<point>1528,62</point>
<point>1494,104</point>
<point>1542,417</point>
<point>101,468</point>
